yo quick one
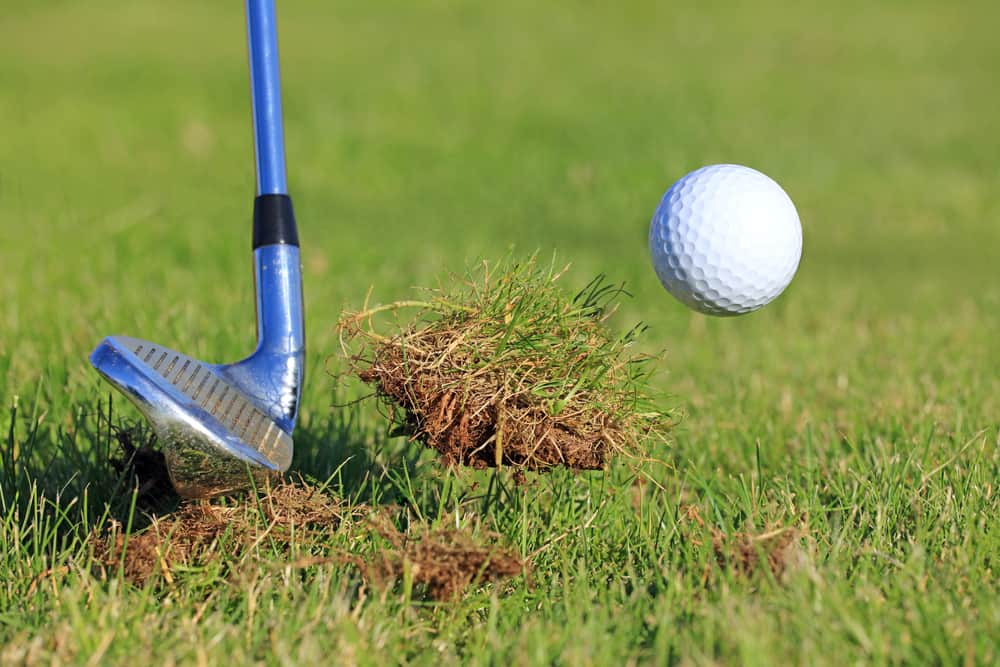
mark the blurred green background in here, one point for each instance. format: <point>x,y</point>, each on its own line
<point>424,136</point>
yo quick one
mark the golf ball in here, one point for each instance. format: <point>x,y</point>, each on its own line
<point>725,240</point>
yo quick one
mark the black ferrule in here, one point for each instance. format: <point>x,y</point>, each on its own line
<point>274,221</point>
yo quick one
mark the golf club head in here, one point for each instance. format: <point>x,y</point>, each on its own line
<point>220,426</point>
<point>213,434</point>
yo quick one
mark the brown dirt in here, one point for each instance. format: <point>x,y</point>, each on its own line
<point>774,550</point>
<point>476,421</point>
<point>442,563</point>
<point>200,532</point>
<point>749,554</point>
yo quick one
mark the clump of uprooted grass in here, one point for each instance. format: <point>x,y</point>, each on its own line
<point>505,368</point>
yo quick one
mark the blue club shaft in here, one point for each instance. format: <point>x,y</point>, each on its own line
<point>265,91</point>
<point>277,365</point>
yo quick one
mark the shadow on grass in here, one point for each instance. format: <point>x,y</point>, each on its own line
<point>96,465</point>
<point>355,457</point>
<point>67,474</point>
<point>99,465</point>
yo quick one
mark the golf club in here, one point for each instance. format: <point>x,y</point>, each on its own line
<point>218,425</point>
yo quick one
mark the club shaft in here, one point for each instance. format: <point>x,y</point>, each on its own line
<point>278,283</point>
<point>277,363</point>
<point>265,92</point>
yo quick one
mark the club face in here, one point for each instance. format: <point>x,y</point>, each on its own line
<point>215,434</point>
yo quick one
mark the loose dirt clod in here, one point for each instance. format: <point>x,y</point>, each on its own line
<point>746,554</point>
<point>199,532</point>
<point>506,369</point>
<point>442,562</point>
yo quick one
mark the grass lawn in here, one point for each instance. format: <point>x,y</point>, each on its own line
<point>855,419</point>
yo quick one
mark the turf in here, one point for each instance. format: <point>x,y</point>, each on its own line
<point>857,414</point>
<point>505,368</point>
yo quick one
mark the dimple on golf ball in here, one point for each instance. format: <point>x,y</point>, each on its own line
<point>725,240</point>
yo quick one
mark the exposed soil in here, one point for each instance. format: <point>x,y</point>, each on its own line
<point>185,534</point>
<point>200,532</point>
<point>749,554</point>
<point>475,421</point>
<point>774,550</point>
<point>442,563</point>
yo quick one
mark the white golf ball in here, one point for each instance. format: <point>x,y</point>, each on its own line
<point>725,240</point>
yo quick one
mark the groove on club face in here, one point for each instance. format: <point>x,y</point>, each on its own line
<point>214,435</point>
<point>238,413</point>
<point>239,407</point>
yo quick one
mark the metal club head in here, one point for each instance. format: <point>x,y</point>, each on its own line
<point>220,425</point>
